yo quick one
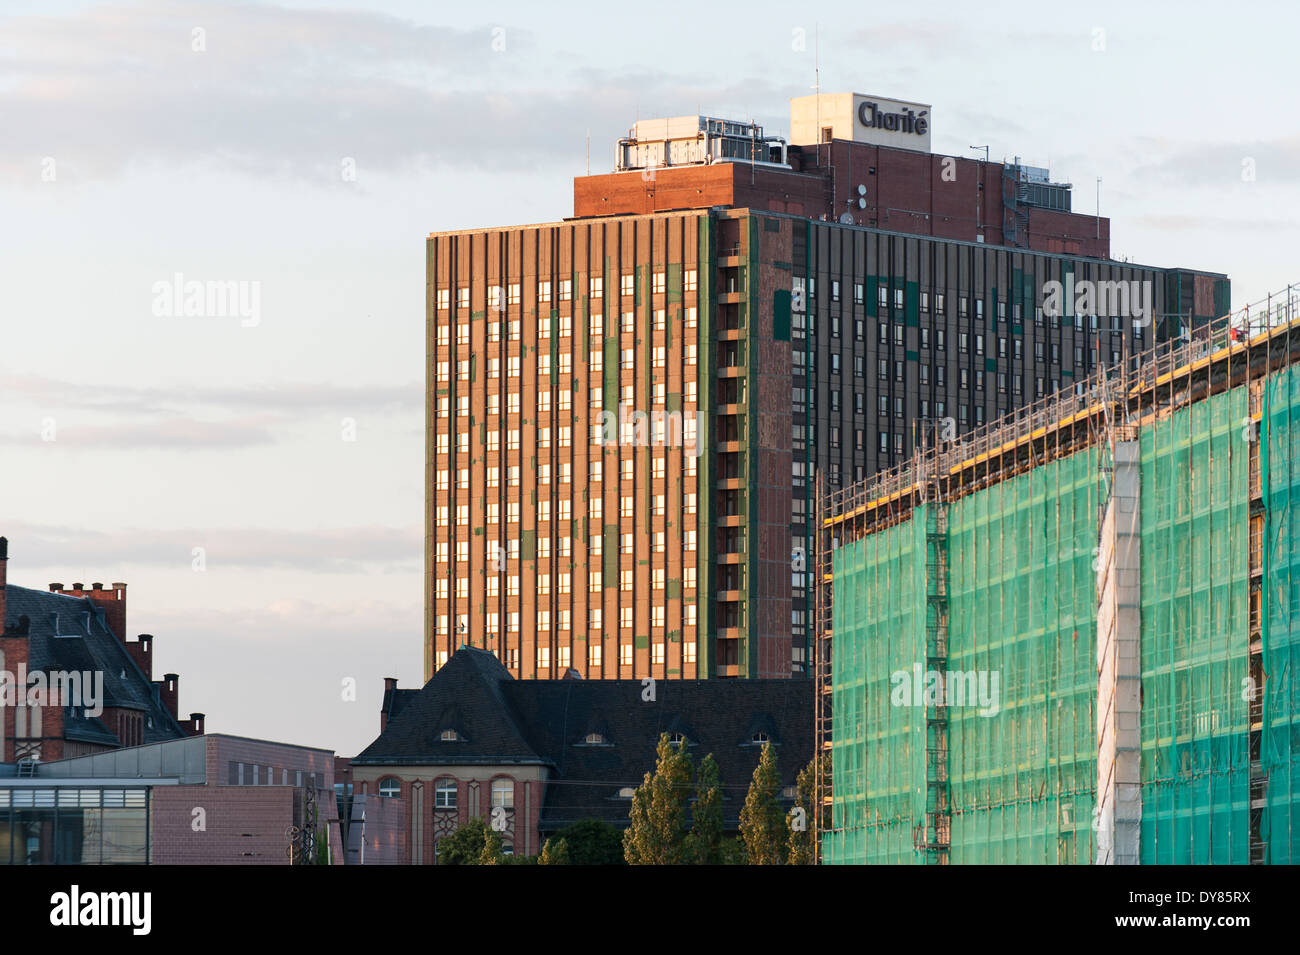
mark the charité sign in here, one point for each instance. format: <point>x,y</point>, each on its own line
<point>891,122</point>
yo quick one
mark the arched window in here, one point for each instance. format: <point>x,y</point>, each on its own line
<point>676,739</point>
<point>759,738</point>
<point>449,736</point>
<point>594,739</point>
<point>503,794</point>
<point>627,792</point>
<point>390,787</point>
<point>444,794</point>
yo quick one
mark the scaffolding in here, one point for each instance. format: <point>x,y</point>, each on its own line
<point>1001,526</point>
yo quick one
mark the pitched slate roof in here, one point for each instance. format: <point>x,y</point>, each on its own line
<point>547,721</point>
<point>70,633</point>
<point>465,696</point>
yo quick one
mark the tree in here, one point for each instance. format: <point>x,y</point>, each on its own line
<point>464,846</point>
<point>657,831</point>
<point>762,823</point>
<point>490,854</point>
<point>554,852</point>
<point>803,848</point>
<point>592,842</point>
<point>704,843</point>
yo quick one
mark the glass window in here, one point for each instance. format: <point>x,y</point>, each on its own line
<point>503,794</point>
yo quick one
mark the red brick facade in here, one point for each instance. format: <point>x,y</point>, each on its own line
<point>948,197</point>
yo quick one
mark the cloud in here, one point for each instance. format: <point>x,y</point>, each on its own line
<point>1221,165</point>
<point>298,398</point>
<point>292,92</point>
<point>1217,224</point>
<point>340,550</point>
<point>168,434</point>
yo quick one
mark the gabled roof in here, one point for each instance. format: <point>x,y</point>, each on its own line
<point>70,633</point>
<point>546,722</point>
<point>464,695</point>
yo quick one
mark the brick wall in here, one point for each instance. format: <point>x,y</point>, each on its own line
<point>243,825</point>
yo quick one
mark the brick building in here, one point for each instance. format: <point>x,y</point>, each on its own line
<point>540,755</point>
<point>628,410</point>
<point>101,691</point>
<point>209,800</point>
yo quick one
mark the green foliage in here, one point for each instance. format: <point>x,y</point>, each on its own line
<point>465,845</point>
<point>554,852</point>
<point>803,850</point>
<point>704,843</point>
<point>762,823</point>
<point>490,853</point>
<point>657,832</point>
<point>592,842</point>
<point>732,852</point>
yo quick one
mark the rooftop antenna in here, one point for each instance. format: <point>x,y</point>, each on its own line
<point>817,85</point>
<point>1099,208</point>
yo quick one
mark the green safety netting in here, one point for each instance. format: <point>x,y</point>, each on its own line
<point>878,752</point>
<point>1022,606</point>
<point>1195,639</point>
<point>1020,589</point>
<point>1280,734</point>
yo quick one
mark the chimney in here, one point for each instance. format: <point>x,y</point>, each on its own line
<point>111,601</point>
<point>170,692</point>
<point>194,725</point>
<point>390,686</point>
<point>4,577</point>
<point>142,653</point>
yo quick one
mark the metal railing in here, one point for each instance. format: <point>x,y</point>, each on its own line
<point>1141,372</point>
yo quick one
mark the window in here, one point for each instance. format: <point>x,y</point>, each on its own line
<point>594,739</point>
<point>449,736</point>
<point>444,794</point>
<point>676,739</point>
<point>503,794</point>
<point>390,787</point>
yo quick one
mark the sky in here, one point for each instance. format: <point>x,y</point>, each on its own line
<point>255,473</point>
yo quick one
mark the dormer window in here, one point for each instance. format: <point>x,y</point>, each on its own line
<point>676,739</point>
<point>759,738</point>
<point>449,736</point>
<point>627,792</point>
<point>594,739</point>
